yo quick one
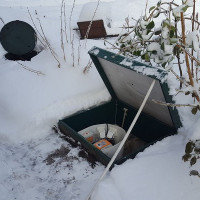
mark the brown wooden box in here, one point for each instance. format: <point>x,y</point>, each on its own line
<point>97,29</point>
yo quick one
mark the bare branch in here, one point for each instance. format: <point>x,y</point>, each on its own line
<point>72,43</point>
<point>88,66</point>
<point>29,69</point>
<point>89,27</point>
<point>2,20</point>
<point>70,18</point>
<point>47,42</point>
<point>38,32</point>
<point>174,105</point>
<point>65,22</point>
<point>61,29</point>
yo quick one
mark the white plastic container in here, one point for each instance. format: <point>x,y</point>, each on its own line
<point>90,136</point>
<point>114,131</point>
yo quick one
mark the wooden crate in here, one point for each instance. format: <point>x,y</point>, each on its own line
<point>97,29</point>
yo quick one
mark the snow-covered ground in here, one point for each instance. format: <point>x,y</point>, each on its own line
<point>31,104</point>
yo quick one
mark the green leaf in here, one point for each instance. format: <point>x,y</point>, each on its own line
<point>150,9</point>
<point>122,45</point>
<point>147,57</point>
<point>194,110</point>
<point>171,34</point>
<point>148,31</point>
<point>193,161</point>
<point>175,50</point>
<point>194,173</point>
<point>165,24</point>
<point>193,94</point>
<point>197,150</point>
<point>159,3</point>
<point>143,56</point>
<point>186,157</point>
<point>162,46</point>
<point>164,64</point>
<point>185,8</point>
<point>155,16</point>
<point>150,25</point>
<point>137,53</point>
<point>139,34</point>
<point>173,40</point>
<point>154,52</point>
<point>157,32</point>
<point>189,147</point>
<point>129,42</point>
<point>172,28</point>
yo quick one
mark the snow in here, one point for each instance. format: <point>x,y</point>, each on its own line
<point>31,104</point>
<point>193,39</point>
<point>158,182</point>
<point>169,49</point>
<point>88,10</point>
<point>150,71</point>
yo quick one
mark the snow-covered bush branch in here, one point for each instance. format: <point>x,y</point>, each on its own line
<point>166,42</point>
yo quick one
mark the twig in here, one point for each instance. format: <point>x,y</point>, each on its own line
<point>72,43</point>
<point>178,54</point>
<point>79,51</point>
<point>36,28</point>
<point>31,70</point>
<point>146,9</point>
<point>61,29</point>
<point>193,18</point>
<point>173,105</point>
<point>111,44</point>
<point>89,27</point>
<point>47,42</point>
<point>70,18</point>
<point>197,67</point>
<point>72,10</point>
<point>179,66</point>
<point>190,55</point>
<point>88,66</point>
<point>65,21</point>
<point>156,8</point>
<point>127,22</point>
<point>179,78</point>
<point>2,20</point>
<point>186,55</point>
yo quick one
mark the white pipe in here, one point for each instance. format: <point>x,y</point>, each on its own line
<point>124,139</point>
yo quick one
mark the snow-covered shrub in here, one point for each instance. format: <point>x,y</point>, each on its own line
<point>163,42</point>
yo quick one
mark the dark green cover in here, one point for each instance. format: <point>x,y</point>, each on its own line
<point>96,53</point>
<point>147,128</point>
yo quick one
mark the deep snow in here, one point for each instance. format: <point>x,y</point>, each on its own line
<point>31,104</point>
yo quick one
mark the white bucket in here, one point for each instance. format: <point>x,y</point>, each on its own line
<point>117,132</point>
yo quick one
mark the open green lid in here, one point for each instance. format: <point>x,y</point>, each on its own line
<point>128,80</point>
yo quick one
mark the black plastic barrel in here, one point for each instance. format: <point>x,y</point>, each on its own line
<point>18,37</point>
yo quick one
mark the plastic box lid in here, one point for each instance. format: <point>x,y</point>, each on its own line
<point>128,81</point>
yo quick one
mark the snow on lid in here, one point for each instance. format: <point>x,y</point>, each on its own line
<point>149,71</point>
<point>94,51</point>
<point>88,11</point>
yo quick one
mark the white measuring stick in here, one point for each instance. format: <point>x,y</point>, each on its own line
<point>124,139</point>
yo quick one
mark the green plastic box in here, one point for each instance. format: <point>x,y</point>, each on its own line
<point>128,82</point>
